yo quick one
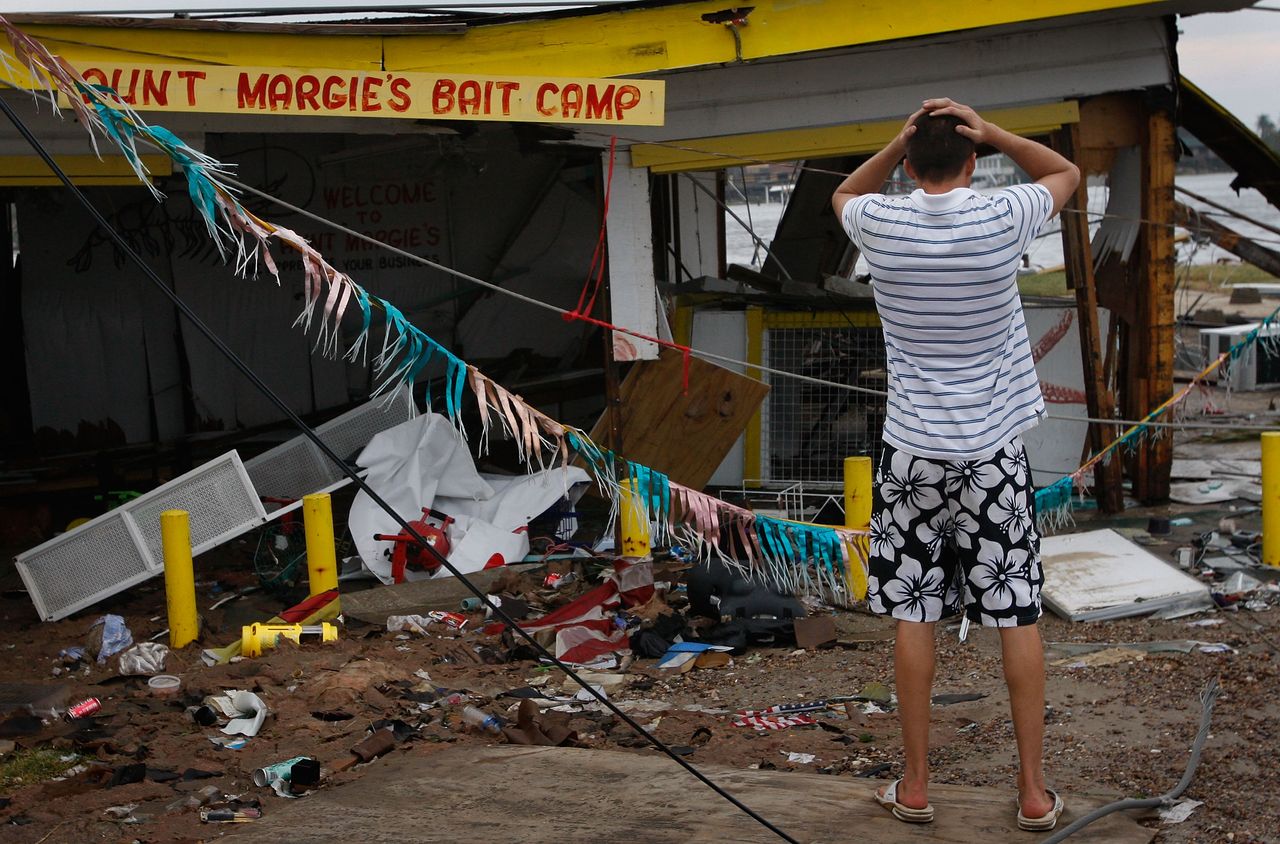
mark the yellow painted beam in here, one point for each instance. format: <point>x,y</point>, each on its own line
<point>612,43</point>
<point>89,170</point>
<point>827,142</point>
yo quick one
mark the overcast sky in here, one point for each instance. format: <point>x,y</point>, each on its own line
<point>1235,58</point>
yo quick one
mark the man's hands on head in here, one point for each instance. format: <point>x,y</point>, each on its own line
<point>1046,167</point>
<point>1042,164</point>
<point>971,125</point>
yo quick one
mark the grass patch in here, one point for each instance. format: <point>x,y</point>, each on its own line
<point>28,767</point>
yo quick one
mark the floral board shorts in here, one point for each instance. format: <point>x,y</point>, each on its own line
<point>947,535</point>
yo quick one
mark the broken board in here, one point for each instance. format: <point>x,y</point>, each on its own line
<point>684,435</point>
<point>1100,575</point>
<point>550,795</point>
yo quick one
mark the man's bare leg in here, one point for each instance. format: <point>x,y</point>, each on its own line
<point>913,661</point>
<point>1023,654</point>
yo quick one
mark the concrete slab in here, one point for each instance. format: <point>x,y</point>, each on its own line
<point>550,795</point>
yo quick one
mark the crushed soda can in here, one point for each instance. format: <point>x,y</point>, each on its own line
<point>456,620</point>
<point>556,580</point>
<point>84,708</point>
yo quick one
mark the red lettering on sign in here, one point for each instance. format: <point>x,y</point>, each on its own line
<point>353,94</point>
<point>333,99</point>
<point>442,96</point>
<point>191,76</point>
<point>251,96</point>
<point>599,103</point>
<point>95,76</point>
<point>540,101</point>
<point>627,99</point>
<point>305,90</point>
<point>571,100</point>
<point>469,97</point>
<point>280,92</point>
<point>369,94</point>
<point>399,100</point>
<point>506,88</point>
<point>156,91</point>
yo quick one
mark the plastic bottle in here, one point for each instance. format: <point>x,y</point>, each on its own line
<point>481,721</point>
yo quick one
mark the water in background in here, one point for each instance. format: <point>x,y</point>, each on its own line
<point>740,248</point>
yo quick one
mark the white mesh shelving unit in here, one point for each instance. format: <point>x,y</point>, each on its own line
<point>297,467</point>
<point>122,548</point>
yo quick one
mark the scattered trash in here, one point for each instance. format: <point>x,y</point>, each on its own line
<point>481,721</point>
<point>279,771</point>
<point>682,656</point>
<point>799,758</point>
<point>84,708</point>
<point>1215,648</point>
<point>228,742</point>
<point>257,637</point>
<point>947,699</point>
<point>876,692</point>
<point>144,658</point>
<point>245,709</point>
<point>108,636</point>
<point>815,632</point>
<point>1180,811</point>
<point>230,815</point>
<point>1106,656</point>
<point>773,722</point>
<point>1205,622</point>
<point>165,685</point>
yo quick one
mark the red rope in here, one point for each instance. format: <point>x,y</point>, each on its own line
<point>595,281</point>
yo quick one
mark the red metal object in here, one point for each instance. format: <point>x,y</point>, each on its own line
<point>84,708</point>
<point>407,553</point>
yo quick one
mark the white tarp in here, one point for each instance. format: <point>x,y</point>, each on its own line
<point>1101,575</point>
<point>425,463</point>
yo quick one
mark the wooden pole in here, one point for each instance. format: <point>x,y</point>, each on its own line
<point>1158,321</point>
<point>1077,254</point>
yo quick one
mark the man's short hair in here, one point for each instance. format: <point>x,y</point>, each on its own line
<point>936,150</point>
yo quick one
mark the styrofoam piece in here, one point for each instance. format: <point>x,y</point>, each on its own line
<point>1100,575</point>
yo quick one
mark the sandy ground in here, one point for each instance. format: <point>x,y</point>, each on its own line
<point>1122,729</point>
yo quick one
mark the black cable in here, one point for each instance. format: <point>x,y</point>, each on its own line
<point>355,478</point>
<point>1208,697</point>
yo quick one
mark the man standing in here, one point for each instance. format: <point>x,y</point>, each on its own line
<point>953,515</point>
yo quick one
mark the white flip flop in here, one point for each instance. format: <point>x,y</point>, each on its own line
<point>1046,822</point>
<point>906,814</point>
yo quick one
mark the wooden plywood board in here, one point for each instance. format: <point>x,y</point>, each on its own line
<point>550,795</point>
<point>682,434</point>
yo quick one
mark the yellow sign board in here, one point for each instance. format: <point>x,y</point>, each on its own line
<point>300,92</point>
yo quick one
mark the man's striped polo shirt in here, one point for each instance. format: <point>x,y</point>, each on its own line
<point>944,270</point>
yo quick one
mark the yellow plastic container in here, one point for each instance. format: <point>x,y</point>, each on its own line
<point>257,637</point>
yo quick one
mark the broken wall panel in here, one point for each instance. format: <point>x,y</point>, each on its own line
<point>684,434</point>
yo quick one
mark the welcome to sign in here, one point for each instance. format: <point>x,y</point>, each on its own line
<point>344,93</point>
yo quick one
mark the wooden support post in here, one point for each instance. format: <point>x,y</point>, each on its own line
<point>1077,253</point>
<point>1157,321</point>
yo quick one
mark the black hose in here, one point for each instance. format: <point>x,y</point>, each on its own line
<point>1207,698</point>
<point>355,478</point>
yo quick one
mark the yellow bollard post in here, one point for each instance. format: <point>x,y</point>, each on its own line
<point>857,515</point>
<point>179,578</point>
<point>1271,498</point>
<point>322,559</point>
<point>633,521</point>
